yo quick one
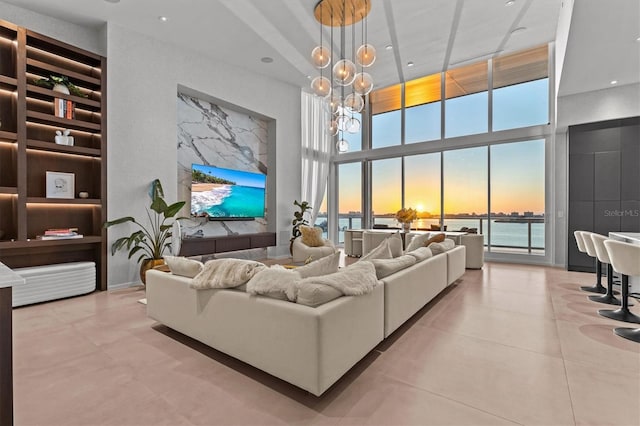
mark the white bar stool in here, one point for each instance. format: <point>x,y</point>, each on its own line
<point>625,258</point>
<point>601,251</point>
<point>583,238</point>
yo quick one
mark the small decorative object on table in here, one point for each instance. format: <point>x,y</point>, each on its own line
<point>405,216</point>
<point>83,194</point>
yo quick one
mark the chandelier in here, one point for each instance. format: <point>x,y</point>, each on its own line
<point>346,83</point>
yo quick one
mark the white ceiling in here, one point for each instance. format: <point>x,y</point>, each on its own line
<point>433,34</point>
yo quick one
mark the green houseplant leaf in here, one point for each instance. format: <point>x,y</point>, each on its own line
<point>152,239</point>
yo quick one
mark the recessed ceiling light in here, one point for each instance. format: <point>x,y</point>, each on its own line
<point>266,59</point>
<point>388,47</point>
<point>112,1</point>
<point>163,18</point>
<point>410,64</point>
<point>638,39</point>
<point>518,30</point>
<point>613,82</point>
<point>510,3</point>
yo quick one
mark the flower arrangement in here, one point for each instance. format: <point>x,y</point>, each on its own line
<point>406,215</point>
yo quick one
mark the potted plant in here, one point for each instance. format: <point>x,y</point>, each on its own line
<point>298,221</point>
<point>151,240</point>
<point>59,83</point>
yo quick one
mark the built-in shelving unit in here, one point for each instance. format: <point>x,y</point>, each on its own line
<point>28,151</point>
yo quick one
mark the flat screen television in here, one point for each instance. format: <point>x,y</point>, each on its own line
<point>221,193</point>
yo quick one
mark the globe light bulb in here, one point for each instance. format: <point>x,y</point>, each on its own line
<point>343,121</point>
<point>320,56</point>
<point>333,128</point>
<point>321,86</point>
<point>342,145</point>
<point>366,55</point>
<point>353,125</point>
<point>354,102</point>
<point>335,103</point>
<point>363,83</point>
<point>343,72</point>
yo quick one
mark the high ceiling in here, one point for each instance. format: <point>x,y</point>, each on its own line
<point>433,34</point>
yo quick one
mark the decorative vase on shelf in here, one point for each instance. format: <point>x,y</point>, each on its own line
<point>406,226</point>
<point>61,88</point>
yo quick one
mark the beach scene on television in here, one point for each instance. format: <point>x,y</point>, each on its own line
<point>226,193</point>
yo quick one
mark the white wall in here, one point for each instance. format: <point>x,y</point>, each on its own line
<point>143,77</point>
<point>600,105</point>
<point>73,34</point>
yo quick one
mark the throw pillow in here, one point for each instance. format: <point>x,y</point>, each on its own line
<point>323,266</point>
<point>395,245</point>
<point>418,240</point>
<point>311,237</point>
<point>277,282</point>
<point>354,280</point>
<point>421,253</point>
<point>381,252</point>
<point>437,238</point>
<point>312,294</point>
<point>437,248</point>
<point>386,267</point>
<point>182,266</point>
<point>225,273</point>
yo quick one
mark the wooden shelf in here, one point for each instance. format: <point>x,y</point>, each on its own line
<point>81,201</point>
<point>48,94</point>
<point>8,83</point>
<point>27,150</point>
<point>42,118</point>
<point>12,136</point>
<point>53,147</point>
<point>90,239</point>
<point>95,82</point>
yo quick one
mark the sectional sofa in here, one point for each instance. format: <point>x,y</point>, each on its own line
<point>310,347</point>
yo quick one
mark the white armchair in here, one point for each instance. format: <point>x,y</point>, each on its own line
<point>301,252</point>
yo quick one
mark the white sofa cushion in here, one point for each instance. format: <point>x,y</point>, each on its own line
<point>421,253</point>
<point>417,241</point>
<point>323,266</point>
<point>395,244</point>
<point>314,294</point>
<point>183,266</point>
<point>386,267</point>
<point>354,280</point>
<point>383,251</point>
<point>225,273</point>
<point>438,248</point>
<point>277,282</point>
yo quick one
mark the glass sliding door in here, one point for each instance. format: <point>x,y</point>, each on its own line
<point>349,198</point>
<point>517,198</point>
<point>466,196</point>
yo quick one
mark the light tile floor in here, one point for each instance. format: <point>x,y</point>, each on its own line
<point>509,344</point>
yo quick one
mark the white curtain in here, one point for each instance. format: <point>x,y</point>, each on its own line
<point>316,151</point>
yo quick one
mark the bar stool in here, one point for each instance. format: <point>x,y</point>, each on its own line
<point>625,259</point>
<point>584,238</point>
<point>601,251</point>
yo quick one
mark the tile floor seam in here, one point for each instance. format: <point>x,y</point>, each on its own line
<point>491,341</point>
<point>454,400</point>
<point>564,367</point>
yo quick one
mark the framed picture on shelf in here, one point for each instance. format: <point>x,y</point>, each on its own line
<point>60,185</point>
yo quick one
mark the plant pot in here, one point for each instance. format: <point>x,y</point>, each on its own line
<point>146,265</point>
<point>406,226</point>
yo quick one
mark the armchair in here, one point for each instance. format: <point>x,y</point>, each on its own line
<point>301,252</point>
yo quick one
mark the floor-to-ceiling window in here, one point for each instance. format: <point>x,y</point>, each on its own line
<point>484,170</point>
<point>465,194</point>
<point>517,197</point>
<point>349,198</point>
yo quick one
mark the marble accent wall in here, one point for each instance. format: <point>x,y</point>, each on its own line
<point>221,137</point>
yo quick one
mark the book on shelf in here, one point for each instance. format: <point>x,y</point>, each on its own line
<point>61,231</point>
<point>64,108</point>
<point>59,237</point>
